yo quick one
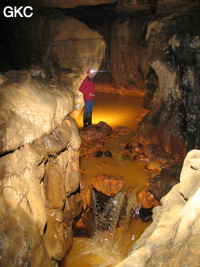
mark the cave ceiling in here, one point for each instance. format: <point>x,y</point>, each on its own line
<point>121,5</point>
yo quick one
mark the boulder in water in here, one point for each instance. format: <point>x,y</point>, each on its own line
<point>108,185</point>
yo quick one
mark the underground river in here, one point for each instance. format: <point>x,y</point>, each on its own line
<point>109,247</point>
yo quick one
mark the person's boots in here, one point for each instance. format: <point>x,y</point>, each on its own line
<point>90,120</point>
<point>85,121</point>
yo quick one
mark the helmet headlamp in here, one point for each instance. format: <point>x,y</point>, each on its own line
<point>91,71</point>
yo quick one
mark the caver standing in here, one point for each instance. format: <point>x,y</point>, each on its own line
<point>87,88</point>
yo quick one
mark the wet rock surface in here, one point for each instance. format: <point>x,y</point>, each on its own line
<point>161,184</point>
<point>97,131</point>
<point>165,167</point>
<point>171,238</point>
<point>39,170</point>
<point>165,170</point>
<point>54,46</point>
<point>158,55</point>
<point>146,199</point>
<point>108,185</point>
<point>171,121</point>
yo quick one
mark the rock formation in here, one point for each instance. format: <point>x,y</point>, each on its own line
<point>107,184</point>
<point>39,165</point>
<point>60,47</point>
<point>152,49</point>
<point>68,3</point>
<point>172,238</point>
<point>172,51</point>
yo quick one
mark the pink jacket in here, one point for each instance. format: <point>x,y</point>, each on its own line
<point>87,87</point>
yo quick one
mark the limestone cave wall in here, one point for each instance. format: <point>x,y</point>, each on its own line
<point>39,165</point>
<point>173,237</point>
<point>173,53</point>
<point>51,44</point>
<point>156,55</point>
<point>127,55</point>
<point>145,53</point>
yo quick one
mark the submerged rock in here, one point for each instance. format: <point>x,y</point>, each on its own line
<point>107,154</point>
<point>98,154</point>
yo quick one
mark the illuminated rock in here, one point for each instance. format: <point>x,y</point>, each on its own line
<point>64,53</point>
<point>146,199</point>
<point>171,59</point>
<point>39,167</point>
<point>108,185</point>
<point>172,238</point>
<point>122,130</point>
<point>97,131</point>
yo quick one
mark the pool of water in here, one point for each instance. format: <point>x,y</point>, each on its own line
<point>115,110</point>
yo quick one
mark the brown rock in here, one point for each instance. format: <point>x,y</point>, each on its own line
<point>153,165</point>
<point>107,153</point>
<point>150,150</point>
<point>40,174</point>
<point>161,184</point>
<point>85,192</point>
<point>108,185</point>
<point>146,199</point>
<point>138,149</point>
<point>143,113</point>
<point>133,144</point>
<point>97,131</point>
<point>57,238</point>
<point>140,158</point>
<point>73,207</point>
<point>122,130</point>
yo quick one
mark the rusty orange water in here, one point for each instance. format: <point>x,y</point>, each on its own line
<point>107,249</point>
<point>87,252</point>
<point>116,110</point>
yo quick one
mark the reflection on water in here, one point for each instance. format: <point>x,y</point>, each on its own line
<point>109,247</point>
<point>115,110</point>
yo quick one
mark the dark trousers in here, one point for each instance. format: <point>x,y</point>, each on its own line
<point>88,107</point>
<point>87,117</point>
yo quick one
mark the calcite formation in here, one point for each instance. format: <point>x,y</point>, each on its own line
<point>172,238</point>
<point>39,167</point>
